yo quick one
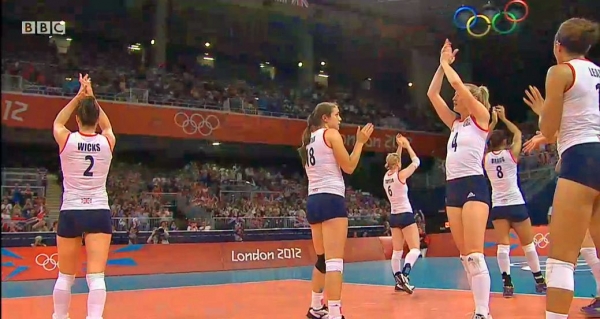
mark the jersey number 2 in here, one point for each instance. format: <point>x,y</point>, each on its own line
<point>454,143</point>
<point>88,172</point>
<point>311,157</point>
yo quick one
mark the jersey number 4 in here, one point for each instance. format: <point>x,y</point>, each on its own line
<point>88,172</point>
<point>311,157</point>
<point>454,143</point>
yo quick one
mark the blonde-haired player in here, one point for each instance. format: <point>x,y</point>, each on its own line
<point>402,218</point>
<point>467,191</point>
<point>85,158</point>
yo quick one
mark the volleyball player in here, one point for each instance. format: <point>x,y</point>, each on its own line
<point>402,218</point>
<point>508,205</point>
<point>85,161</point>
<point>588,250</point>
<point>467,192</point>
<point>571,110</point>
<point>324,157</point>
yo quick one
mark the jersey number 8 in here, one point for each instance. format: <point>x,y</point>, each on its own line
<point>499,171</point>
<point>311,157</point>
<point>88,172</point>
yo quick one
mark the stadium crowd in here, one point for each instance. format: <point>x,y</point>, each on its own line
<point>199,196</point>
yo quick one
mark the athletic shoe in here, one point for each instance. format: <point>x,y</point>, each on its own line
<point>317,313</point>
<point>403,283</point>
<point>508,291</point>
<point>593,309</point>
<point>541,288</point>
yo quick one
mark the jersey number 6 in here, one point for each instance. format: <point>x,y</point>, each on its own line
<point>389,191</point>
<point>88,172</point>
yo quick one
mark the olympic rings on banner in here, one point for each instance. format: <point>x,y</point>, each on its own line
<point>491,21</point>
<point>473,20</point>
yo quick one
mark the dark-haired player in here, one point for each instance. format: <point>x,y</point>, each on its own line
<point>571,110</point>
<point>85,161</point>
<point>324,157</point>
<point>508,205</point>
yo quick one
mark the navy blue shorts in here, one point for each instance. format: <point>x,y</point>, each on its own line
<point>578,164</point>
<point>467,189</point>
<point>323,207</point>
<point>512,213</point>
<point>402,220</point>
<point>75,223</point>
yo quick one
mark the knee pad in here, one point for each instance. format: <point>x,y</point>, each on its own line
<point>96,281</point>
<point>476,264</point>
<point>560,274</point>
<point>504,249</point>
<point>64,282</point>
<point>334,265</point>
<point>530,248</point>
<point>320,264</point>
<point>589,255</point>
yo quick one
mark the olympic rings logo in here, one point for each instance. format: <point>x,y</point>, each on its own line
<point>197,123</point>
<point>541,240</point>
<point>491,18</point>
<point>49,263</point>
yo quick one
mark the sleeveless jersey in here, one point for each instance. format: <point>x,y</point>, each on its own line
<point>465,149</point>
<point>85,162</point>
<point>581,111</point>
<point>501,169</point>
<point>397,193</point>
<point>323,171</point>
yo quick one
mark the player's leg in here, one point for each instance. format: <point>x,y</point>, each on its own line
<point>317,309</point>
<point>97,239</point>
<point>522,226</point>
<point>68,242</point>
<point>590,251</point>
<point>335,233</point>
<point>316,209</point>
<point>397,251</point>
<point>475,217</point>
<point>568,229</point>
<point>411,235</point>
<point>456,229</point>
<point>502,231</point>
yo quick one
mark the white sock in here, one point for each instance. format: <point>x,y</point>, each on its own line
<point>552,315</point>
<point>335,309</point>
<point>503,256</point>
<point>481,282</point>
<point>62,295</point>
<point>463,261</point>
<point>397,261</point>
<point>316,300</point>
<point>533,260</point>
<point>411,258</point>
<point>591,258</point>
<point>96,296</point>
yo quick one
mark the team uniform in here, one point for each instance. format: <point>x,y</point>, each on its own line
<point>326,187</point>
<point>397,192</point>
<point>579,133</point>
<point>464,170</point>
<point>85,162</point>
<point>507,200</point>
<point>579,140</point>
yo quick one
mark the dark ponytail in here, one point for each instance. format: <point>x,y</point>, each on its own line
<point>306,139</point>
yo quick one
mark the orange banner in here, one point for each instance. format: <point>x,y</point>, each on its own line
<point>38,112</point>
<point>34,263</point>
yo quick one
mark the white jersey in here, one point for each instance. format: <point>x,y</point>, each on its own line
<point>397,193</point>
<point>85,162</point>
<point>501,169</point>
<point>581,113</point>
<point>323,171</point>
<point>465,149</point>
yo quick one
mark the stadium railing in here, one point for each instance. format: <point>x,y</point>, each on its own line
<point>37,190</point>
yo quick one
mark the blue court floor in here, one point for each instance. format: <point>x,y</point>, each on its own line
<point>429,273</point>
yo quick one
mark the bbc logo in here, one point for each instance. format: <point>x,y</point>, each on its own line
<point>43,27</point>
